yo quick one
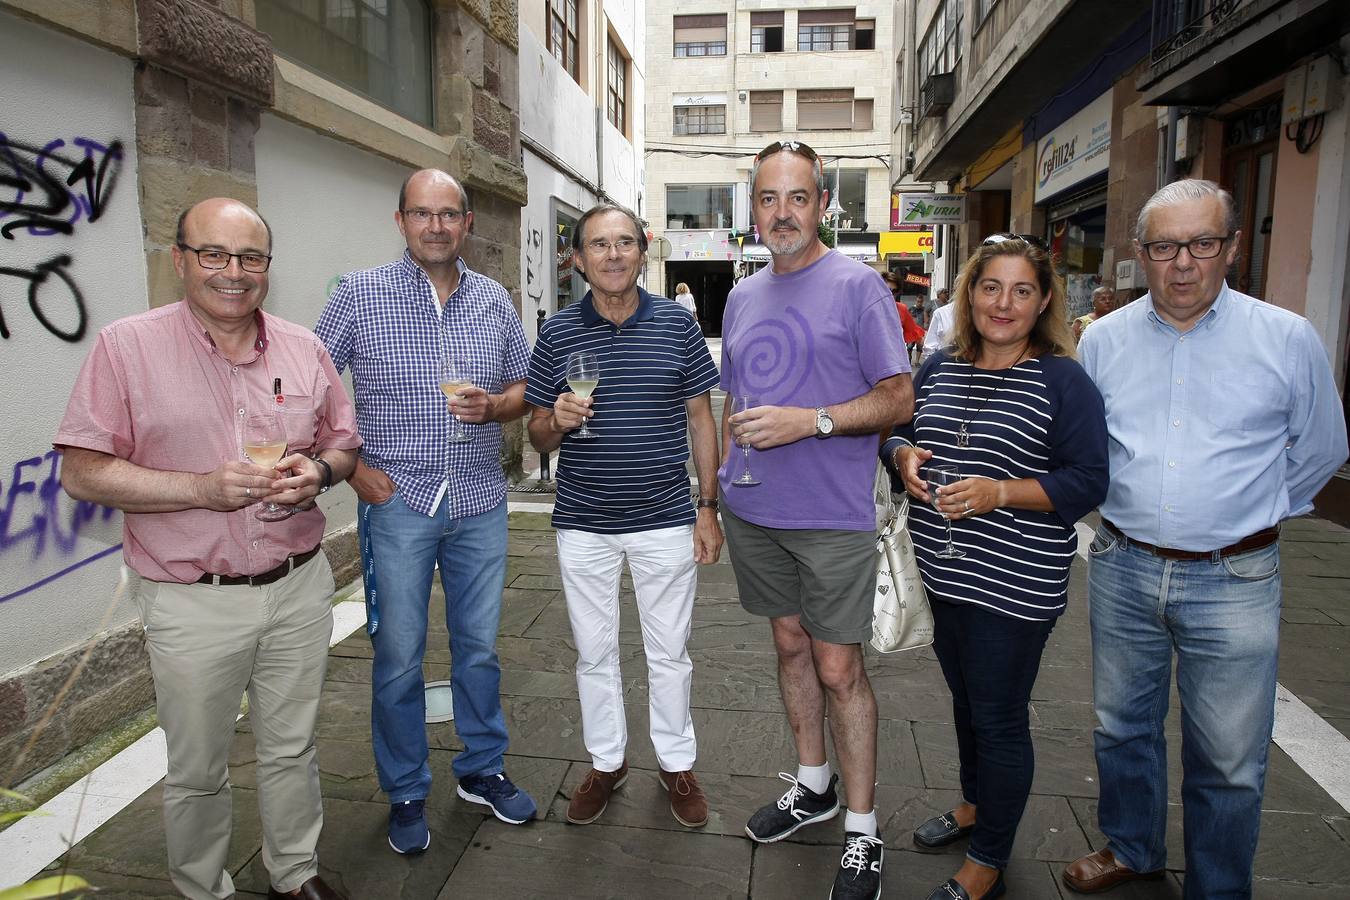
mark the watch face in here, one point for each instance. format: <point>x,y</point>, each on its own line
<point>824,424</point>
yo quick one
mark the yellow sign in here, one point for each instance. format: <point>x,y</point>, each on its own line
<point>905,242</point>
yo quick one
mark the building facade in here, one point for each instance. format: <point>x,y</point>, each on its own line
<point>581,128</point>
<point>118,115</point>
<point>727,78</point>
<point>1061,117</point>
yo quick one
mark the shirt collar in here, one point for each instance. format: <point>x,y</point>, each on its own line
<point>196,328</point>
<point>1211,316</point>
<point>417,273</point>
<point>590,316</point>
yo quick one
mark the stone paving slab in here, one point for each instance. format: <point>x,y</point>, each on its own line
<point>638,850</point>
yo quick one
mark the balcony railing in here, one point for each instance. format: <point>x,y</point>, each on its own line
<point>1178,24</point>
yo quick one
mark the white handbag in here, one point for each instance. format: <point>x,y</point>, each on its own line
<point>901,617</point>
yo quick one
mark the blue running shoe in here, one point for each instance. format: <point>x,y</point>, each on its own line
<point>507,802</point>
<point>408,832</point>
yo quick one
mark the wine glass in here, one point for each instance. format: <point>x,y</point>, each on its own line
<point>265,445</point>
<point>456,375</point>
<point>583,374</point>
<point>941,476</point>
<point>739,404</point>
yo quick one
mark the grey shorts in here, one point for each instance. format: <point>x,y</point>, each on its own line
<point>826,576</point>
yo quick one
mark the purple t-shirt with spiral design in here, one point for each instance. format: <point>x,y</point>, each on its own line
<point>815,337</point>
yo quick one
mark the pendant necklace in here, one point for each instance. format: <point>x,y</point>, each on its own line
<point>963,432</point>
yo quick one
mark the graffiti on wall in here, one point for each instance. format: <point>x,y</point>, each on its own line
<point>46,190</point>
<point>534,265</point>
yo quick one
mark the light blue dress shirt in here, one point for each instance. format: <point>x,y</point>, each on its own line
<point>1216,433</point>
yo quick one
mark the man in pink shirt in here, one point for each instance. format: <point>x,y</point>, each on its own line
<point>156,427</point>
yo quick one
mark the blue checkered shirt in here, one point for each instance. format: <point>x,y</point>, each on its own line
<point>386,324</point>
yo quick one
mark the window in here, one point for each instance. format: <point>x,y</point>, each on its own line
<point>833,110</point>
<point>982,10</point>
<point>852,193</point>
<point>562,35</point>
<point>617,91</point>
<point>571,287</point>
<point>701,119</point>
<point>380,48</point>
<point>940,49</point>
<point>766,110</point>
<point>832,29</point>
<point>690,206</point>
<point>766,32</point>
<point>701,35</point>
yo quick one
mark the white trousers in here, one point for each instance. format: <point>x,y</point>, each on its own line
<point>664,578</point>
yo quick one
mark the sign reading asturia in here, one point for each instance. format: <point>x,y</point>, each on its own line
<point>927,209</point>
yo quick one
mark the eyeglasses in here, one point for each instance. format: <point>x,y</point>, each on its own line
<point>792,147</point>
<point>423,216</point>
<point>1199,248</point>
<point>599,247</point>
<point>256,263</point>
<point>1002,236</point>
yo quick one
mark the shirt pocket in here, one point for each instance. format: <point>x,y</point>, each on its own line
<point>1243,400</point>
<point>297,417</point>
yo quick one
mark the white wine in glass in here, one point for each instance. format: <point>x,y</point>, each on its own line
<point>583,375</point>
<point>456,375</point>
<point>264,445</point>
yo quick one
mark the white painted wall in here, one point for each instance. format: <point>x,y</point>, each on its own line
<point>59,91</point>
<point>331,208</point>
<point>554,111</point>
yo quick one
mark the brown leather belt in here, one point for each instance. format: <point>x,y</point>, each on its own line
<point>286,567</point>
<point>1251,542</point>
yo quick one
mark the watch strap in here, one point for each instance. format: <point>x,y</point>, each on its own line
<point>327,480</point>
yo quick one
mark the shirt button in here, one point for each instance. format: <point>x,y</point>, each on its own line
<point>1178,381</point>
<point>1176,423</point>
<point>1172,464</point>
<point>235,370</point>
<point>241,410</point>
<point>1167,509</point>
<point>1181,340</point>
<point>255,545</point>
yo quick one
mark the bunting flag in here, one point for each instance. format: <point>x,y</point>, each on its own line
<point>740,240</point>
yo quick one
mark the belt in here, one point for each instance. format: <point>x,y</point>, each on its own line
<point>286,567</point>
<point>1251,542</point>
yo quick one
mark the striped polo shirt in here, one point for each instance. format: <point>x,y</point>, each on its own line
<point>1043,419</point>
<point>631,476</point>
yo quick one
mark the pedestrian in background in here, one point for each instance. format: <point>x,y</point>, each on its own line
<point>1014,416</point>
<point>812,347</point>
<point>686,299</point>
<point>909,329</point>
<point>1224,420</point>
<point>157,426</point>
<point>624,494</point>
<point>938,325</point>
<point>1103,301</point>
<point>427,499</point>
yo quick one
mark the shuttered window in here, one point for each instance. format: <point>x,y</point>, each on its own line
<point>766,110</point>
<point>704,35</point>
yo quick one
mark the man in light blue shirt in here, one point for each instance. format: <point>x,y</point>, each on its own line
<point>1224,420</point>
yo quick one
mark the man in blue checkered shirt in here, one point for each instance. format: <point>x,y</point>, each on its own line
<point>432,491</point>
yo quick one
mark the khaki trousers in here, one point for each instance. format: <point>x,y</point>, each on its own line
<point>208,645</point>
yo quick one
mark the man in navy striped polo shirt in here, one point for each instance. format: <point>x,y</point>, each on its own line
<point>429,499</point>
<point>625,493</point>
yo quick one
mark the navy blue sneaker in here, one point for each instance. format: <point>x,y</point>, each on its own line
<point>507,802</point>
<point>408,832</point>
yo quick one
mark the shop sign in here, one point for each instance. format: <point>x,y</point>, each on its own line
<point>912,242</point>
<point>1076,150</point>
<point>920,280</point>
<point>927,209</point>
<point>700,100</point>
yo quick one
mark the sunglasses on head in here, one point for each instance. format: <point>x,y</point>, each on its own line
<point>1002,236</point>
<point>792,147</point>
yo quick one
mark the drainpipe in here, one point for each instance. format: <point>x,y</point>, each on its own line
<point>1170,146</point>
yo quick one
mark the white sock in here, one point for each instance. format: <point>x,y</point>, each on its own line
<point>814,778</point>
<point>861,823</point>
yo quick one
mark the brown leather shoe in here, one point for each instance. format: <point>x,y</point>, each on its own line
<point>1099,872</point>
<point>687,802</point>
<point>314,889</point>
<point>590,800</point>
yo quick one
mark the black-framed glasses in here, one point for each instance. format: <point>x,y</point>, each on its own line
<point>792,147</point>
<point>1206,247</point>
<point>256,263</point>
<point>1032,239</point>
<point>423,216</point>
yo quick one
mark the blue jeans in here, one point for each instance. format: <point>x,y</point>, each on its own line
<point>1222,619</point>
<point>472,555</point>
<point>990,663</point>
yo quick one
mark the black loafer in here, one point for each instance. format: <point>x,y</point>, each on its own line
<point>940,831</point>
<point>951,890</point>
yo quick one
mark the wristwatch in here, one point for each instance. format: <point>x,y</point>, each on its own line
<point>824,424</point>
<point>327,481</point>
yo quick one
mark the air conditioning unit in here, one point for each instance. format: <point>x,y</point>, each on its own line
<point>937,94</point>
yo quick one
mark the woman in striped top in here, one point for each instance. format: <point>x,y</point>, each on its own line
<point>1010,408</point>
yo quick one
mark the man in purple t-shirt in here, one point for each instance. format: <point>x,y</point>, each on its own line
<point>812,348</point>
